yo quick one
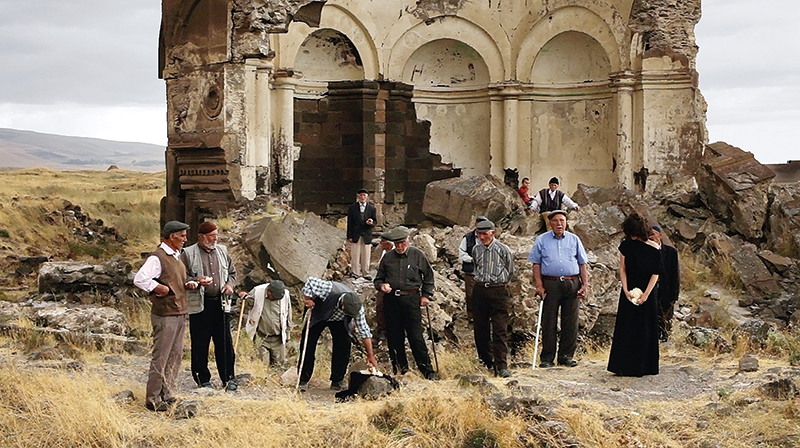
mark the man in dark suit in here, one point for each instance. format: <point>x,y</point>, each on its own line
<point>669,284</point>
<point>361,220</point>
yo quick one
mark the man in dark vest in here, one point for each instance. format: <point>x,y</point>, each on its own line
<point>467,264</point>
<point>669,283</point>
<point>550,199</point>
<point>361,217</point>
<point>163,277</point>
<point>334,306</point>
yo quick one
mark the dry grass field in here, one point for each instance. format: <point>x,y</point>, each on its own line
<point>700,399</point>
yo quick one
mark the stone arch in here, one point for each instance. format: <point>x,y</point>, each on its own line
<point>450,80</point>
<point>450,27</point>
<point>328,55</point>
<point>574,19</point>
<point>569,58</point>
<point>341,20</point>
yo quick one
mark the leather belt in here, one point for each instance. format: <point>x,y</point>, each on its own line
<point>561,279</point>
<point>407,292</point>
<point>490,285</point>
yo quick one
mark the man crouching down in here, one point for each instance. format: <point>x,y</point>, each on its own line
<point>332,305</point>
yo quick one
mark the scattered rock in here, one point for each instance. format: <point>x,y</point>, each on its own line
<point>748,363</point>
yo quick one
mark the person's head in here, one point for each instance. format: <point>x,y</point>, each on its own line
<point>207,235</point>
<point>635,227</point>
<point>385,243</point>
<point>275,290</point>
<point>558,222</point>
<point>174,234</point>
<point>526,182</point>
<point>553,183</point>
<point>362,195</point>
<point>399,236</point>
<point>485,231</point>
<point>350,303</point>
<point>480,219</point>
<point>655,233</point>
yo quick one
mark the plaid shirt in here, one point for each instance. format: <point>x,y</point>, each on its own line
<point>317,288</point>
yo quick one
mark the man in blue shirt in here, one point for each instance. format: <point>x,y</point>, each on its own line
<point>561,279</point>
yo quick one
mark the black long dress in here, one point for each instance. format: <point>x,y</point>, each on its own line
<point>634,350</point>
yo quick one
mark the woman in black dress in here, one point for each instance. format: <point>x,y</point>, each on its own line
<point>634,350</point>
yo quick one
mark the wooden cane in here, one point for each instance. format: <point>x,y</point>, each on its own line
<point>538,329</point>
<point>305,347</point>
<point>239,327</point>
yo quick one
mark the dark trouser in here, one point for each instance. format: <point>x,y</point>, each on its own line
<point>491,325</point>
<point>666,310</point>
<point>340,357</point>
<point>380,319</point>
<point>563,295</point>
<point>469,288</point>
<point>205,326</point>
<point>404,319</point>
<point>165,362</point>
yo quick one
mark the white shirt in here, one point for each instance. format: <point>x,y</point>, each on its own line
<point>151,269</point>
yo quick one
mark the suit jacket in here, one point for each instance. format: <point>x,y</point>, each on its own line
<point>669,284</point>
<point>357,225</point>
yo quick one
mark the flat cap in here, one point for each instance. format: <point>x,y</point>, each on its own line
<point>485,226</point>
<point>206,227</point>
<point>556,212</point>
<point>481,218</point>
<point>362,190</point>
<point>172,227</point>
<point>351,303</point>
<point>657,228</point>
<point>277,288</point>
<point>398,234</point>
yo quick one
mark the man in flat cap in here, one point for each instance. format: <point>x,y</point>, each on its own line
<point>406,278</point>
<point>361,218</point>
<point>333,305</point>
<point>163,277</point>
<point>551,198</point>
<point>561,278</point>
<point>209,264</point>
<point>270,318</point>
<point>467,264</point>
<point>494,266</point>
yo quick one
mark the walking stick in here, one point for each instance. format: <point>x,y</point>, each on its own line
<point>239,327</point>
<point>538,329</point>
<point>305,347</point>
<point>433,342</point>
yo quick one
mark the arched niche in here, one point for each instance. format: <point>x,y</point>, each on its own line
<point>571,113</point>
<point>450,80</point>
<point>569,58</point>
<point>328,55</point>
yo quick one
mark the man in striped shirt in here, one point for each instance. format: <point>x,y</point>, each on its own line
<point>494,266</point>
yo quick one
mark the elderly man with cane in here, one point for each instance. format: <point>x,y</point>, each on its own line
<point>561,279</point>
<point>334,306</point>
<point>406,278</point>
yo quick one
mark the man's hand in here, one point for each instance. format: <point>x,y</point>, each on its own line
<point>242,294</point>
<point>161,290</point>
<point>205,281</point>
<point>582,292</point>
<point>386,288</point>
<point>227,289</point>
<point>309,302</point>
<point>423,301</point>
<point>540,290</point>
<point>372,360</point>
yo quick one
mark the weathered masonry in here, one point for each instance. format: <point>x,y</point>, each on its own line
<point>314,99</point>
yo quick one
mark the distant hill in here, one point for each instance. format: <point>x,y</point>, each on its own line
<point>27,149</point>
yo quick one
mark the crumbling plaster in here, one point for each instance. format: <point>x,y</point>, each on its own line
<point>637,120</point>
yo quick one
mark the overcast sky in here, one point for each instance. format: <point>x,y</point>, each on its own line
<point>89,68</point>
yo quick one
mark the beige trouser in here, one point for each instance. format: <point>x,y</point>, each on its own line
<point>359,257</point>
<point>272,351</point>
<point>166,360</point>
<point>546,220</point>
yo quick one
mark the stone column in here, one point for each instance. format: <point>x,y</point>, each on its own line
<point>285,153</point>
<point>496,133</point>
<point>623,85</point>
<point>510,136</point>
<point>258,119</point>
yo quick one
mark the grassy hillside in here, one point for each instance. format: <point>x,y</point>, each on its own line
<point>27,149</point>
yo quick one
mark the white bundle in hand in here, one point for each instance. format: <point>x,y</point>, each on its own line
<point>636,293</point>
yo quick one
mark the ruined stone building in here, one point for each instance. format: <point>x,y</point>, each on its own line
<point>315,99</point>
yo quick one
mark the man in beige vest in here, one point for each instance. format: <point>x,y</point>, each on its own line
<point>163,277</point>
